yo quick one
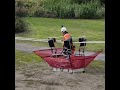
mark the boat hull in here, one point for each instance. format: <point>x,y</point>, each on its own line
<point>74,62</point>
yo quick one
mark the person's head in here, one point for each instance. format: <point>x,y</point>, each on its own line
<point>64,30</point>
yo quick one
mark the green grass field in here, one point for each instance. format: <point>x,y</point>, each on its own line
<point>23,57</point>
<point>49,27</point>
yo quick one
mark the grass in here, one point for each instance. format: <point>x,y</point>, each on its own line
<point>23,57</point>
<point>96,67</point>
<point>98,64</point>
<point>49,27</point>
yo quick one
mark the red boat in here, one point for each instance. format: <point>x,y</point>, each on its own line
<point>59,61</point>
<point>56,59</point>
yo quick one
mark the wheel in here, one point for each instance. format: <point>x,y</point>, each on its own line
<point>83,71</point>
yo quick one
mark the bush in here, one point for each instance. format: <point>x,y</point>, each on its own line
<point>90,10</point>
<point>100,13</point>
<point>84,9</point>
<point>61,8</point>
<point>26,7</point>
<point>39,12</point>
<point>21,12</point>
<point>20,25</point>
<point>20,9</point>
<point>87,9</point>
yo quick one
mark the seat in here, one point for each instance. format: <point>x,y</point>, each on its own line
<point>52,45</point>
<point>82,46</point>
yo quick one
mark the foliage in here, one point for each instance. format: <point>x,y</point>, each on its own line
<point>20,25</point>
<point>60,8</point>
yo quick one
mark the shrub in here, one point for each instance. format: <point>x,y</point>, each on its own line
<point>90,10</point>
<point>20,25</point>
<point>20,8</point>
<point>26,7</point>
<point>100,13</point>
<point>84,9</point>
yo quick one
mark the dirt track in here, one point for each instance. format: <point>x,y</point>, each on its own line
<point>38,76</point>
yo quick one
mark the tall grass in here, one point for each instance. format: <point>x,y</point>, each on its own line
<point>67,9</point>
<point>61,8</point>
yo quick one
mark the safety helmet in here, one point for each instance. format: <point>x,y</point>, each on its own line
<point>63,29</point>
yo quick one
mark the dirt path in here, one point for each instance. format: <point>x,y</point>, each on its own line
<point>40,77</point>
<point>30,48</point>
